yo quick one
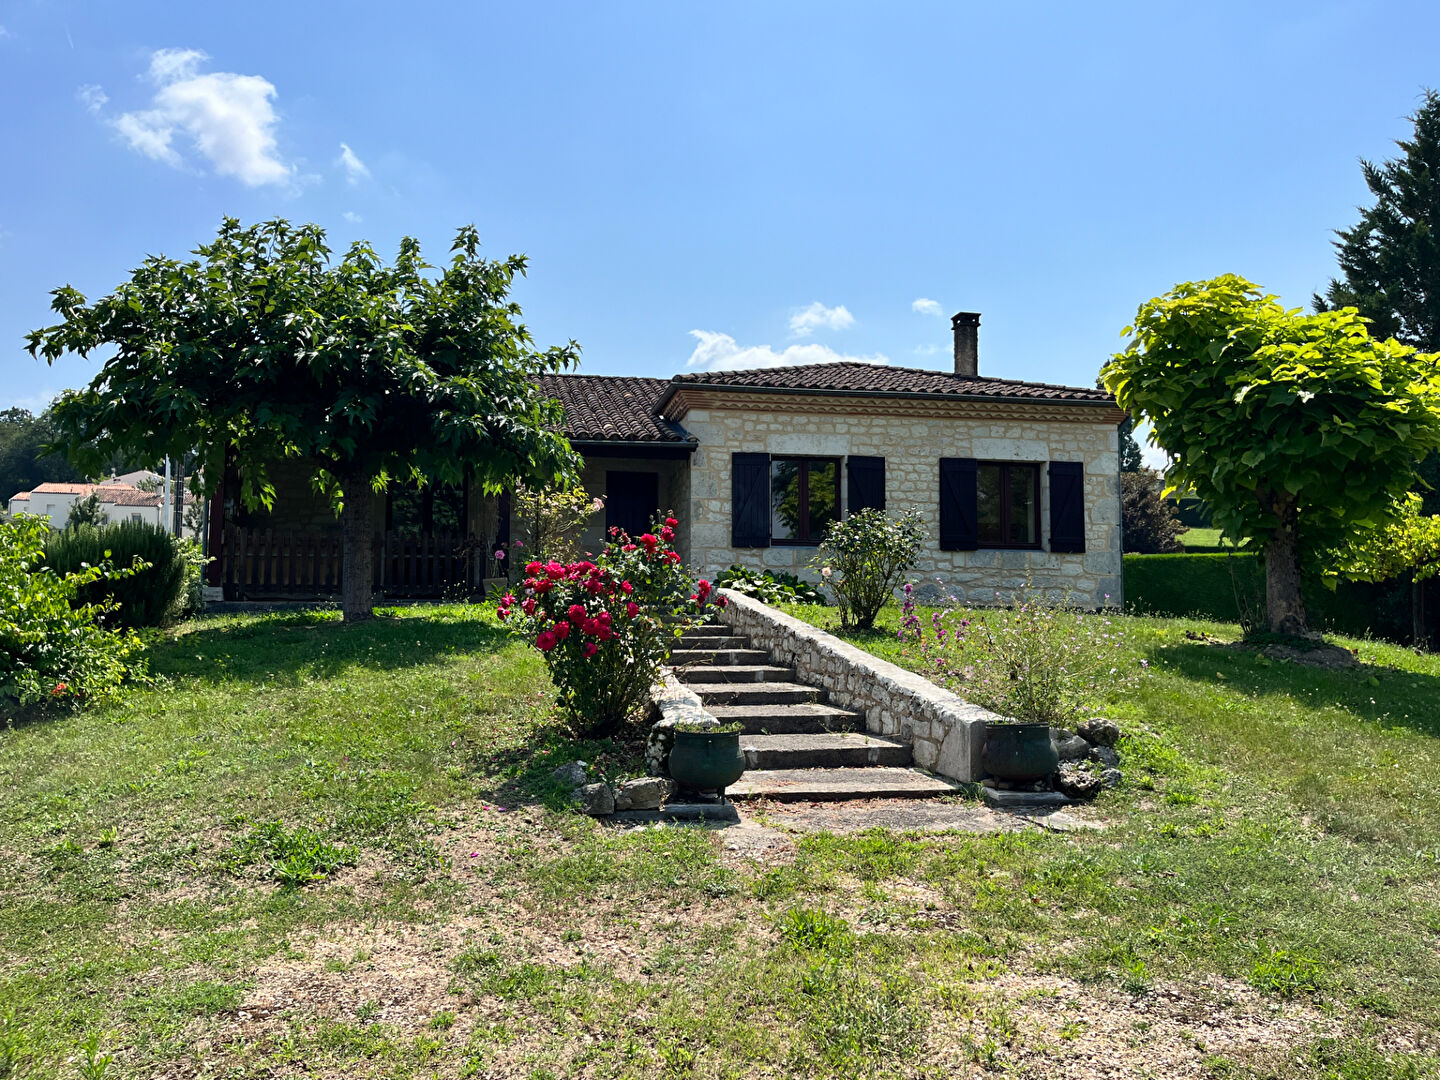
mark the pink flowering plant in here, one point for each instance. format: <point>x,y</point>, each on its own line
<point>1032,660</point>
<point>605,626</point>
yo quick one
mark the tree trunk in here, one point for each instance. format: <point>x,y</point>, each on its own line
<point>1284,606</point>
<point>357,537</point>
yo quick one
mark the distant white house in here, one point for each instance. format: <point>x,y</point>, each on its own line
<point>118,502</point>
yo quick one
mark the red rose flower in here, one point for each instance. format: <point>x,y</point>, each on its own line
<point>543,586</point>
<point>723,602</point>
<point>554,571</point>
<point>591,649</point>
<point>60,688</point>
<point>528,606</point>
<point>545,641</point>
<point>671,522</point>
<point>628,547</point>
<point>561,630</point>
<point>604,633</point>
<point>533,568</point>
<point>590,626</point>
<point>503,612</point>
<point>604,618</point>
<point>673,556</point>
<point>508,599</point>
<point>649,540</point>
<point>576,613</point>
<point>626,588</point>
<point>667,533</point>
<point>632,609</point>
<point>702,587</point>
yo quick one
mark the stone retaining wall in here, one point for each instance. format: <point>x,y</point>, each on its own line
<point>946,731</point>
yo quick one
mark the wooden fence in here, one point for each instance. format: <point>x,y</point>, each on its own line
<point>265,564</point>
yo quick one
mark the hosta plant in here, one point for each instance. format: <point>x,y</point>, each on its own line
<point>606,626</point>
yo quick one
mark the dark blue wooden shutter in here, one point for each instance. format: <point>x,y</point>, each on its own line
<point>866,483</point>
<point>958,505</point>
<point>1067,506</point>
<point>749,500</point>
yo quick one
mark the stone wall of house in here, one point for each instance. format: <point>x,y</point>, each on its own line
<point>946,732</point>
<point>912,446</point>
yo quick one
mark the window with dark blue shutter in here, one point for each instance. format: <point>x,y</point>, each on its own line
<point>958,505</point>
<point>749,500</point>
<point>1067,506</point>
<point>866,476</point>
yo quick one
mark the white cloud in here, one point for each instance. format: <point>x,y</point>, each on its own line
<point>805,321</point>
<point>927,307</point>
<point>229,119</point>
<point>92,97</point>
<point>355,169</point>
<point>928,350</point>
<point>720,352</point>
<point>4,33</point>
<point>352,217</point>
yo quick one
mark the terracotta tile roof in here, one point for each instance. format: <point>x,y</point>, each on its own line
<point>857,378</point>
<point>63,489</point>
<point>114,494</point>
<point>612,408</point>
<point>24,496</point>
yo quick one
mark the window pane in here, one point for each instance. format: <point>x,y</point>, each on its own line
<point>785,499</point>
<point>1022,504</point>
<point>824,506</point>
<point>987,483</point>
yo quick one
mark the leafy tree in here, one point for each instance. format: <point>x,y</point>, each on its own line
<point>263,348</point>
<point>1130,458</point>
<point>1289,426</point>
<point>1408,545</point>
<point>86,511</point>
<point>1390,260</point>
<point>26,459</point>
<point>1149,523</point>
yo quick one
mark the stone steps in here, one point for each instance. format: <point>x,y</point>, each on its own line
<point>733,673</point>
<point>804,718</point>
<point>798,747</point>
<point>824,751</point>
<point>833,785</point>
<point>760,693</point>
<point>682,657</point>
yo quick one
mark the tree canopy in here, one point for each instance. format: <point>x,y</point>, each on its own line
<point>1286,425</point>
<point>262,347</point>
<point>26,458</point>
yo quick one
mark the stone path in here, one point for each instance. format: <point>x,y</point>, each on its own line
<point>798,747</point>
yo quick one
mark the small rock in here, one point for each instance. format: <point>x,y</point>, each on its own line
<point>1077,781</point>
<point>571,773</point>
<point>1111,777</point>
<point>1071,747</point>
<point>646,793</point>
<point>1100,732</point>
<point>597,800</point>
<point>1105,756</point>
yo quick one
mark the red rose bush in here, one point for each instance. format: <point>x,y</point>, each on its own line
<point>605,627</point>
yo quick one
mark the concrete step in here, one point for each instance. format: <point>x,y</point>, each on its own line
<point>726,657</point>
<point>712,641</point>
<point>806,718</point>
<point>710,630</point>
<point>737,673</point>
<point>827,751</point>
<point>833,785</point>
<point>760,693</point>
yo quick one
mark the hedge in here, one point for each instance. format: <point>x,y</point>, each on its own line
<point>149,598</point>
<point>1214,586</point>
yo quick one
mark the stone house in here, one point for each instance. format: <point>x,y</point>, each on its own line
<point>1016,481</point>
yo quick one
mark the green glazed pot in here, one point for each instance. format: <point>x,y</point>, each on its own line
<point>1019,751</point>
<point>706,759</point>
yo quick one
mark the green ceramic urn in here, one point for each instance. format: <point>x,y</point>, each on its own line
<point>707,760</point>
<point>1019,752</point>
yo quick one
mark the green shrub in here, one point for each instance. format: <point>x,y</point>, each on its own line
<point>152,597</point>
<point>52,644</point>
<point>769,587</point>
<point>865,557</point>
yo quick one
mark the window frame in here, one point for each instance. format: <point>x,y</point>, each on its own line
<point>1005,506</point>
<point>806,459</point>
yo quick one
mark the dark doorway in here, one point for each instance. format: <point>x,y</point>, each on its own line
<point>631,500</point>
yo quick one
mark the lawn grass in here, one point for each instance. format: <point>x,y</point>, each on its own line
<point>327,850</point>
<point>1204,540</point>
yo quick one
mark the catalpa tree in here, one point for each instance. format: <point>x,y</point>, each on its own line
<point>263,348</point>
<point>1300,432</point>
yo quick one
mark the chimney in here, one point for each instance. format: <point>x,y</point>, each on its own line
<point>967,342</point>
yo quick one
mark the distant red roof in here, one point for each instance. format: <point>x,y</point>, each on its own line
<point>114,494</point>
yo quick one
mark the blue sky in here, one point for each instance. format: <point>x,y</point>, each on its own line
<point>721,184</point>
